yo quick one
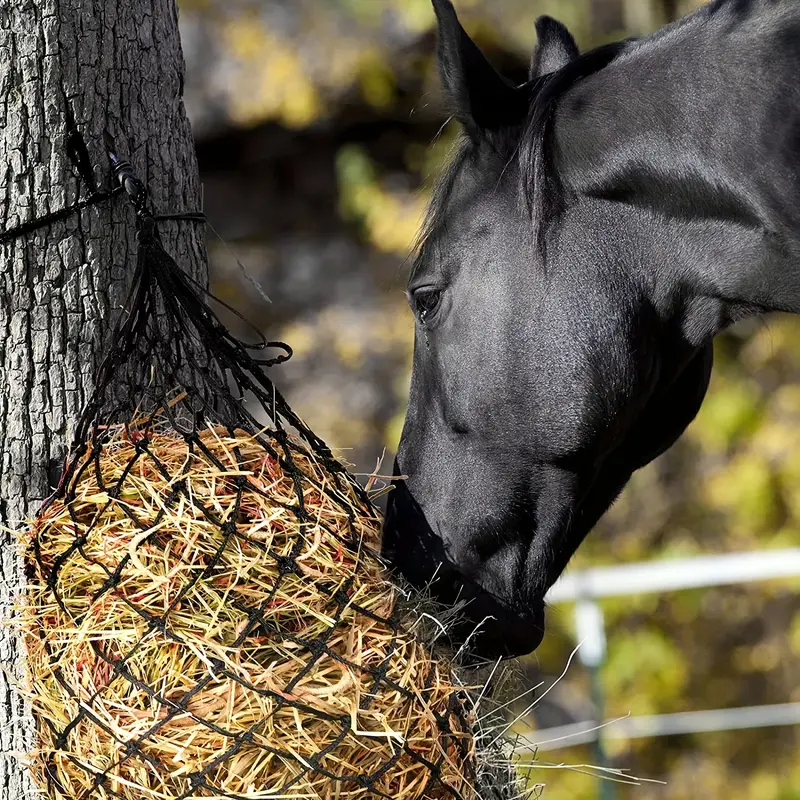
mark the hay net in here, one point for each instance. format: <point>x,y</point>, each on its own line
<point>206,613</point>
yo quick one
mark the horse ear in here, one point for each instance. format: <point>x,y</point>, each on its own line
<point>480,98</point>
<point>556,47</point>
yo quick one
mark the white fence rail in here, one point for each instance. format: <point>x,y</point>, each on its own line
<point>675,574</point>
<point>586,586</point>
<point>724,719</point>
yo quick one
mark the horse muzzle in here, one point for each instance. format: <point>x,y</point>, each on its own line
<point>489,626</point>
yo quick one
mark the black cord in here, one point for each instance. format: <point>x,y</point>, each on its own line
<point>128,182</point>
<point>56,216</point>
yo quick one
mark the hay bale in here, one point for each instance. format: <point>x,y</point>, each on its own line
<point>189,635</point>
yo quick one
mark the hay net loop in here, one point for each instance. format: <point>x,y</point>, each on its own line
<point>206,613</point>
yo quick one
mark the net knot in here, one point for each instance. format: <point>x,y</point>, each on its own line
<point>196,779</point>
<point>147,227</point>
<point>286,565</point>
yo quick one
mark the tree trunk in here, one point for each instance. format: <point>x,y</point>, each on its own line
<point>118,65</point>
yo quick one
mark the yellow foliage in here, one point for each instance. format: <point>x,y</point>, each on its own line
<point>350,352</point>
<point>794,635</point>
<point>390,219</point>
<point>644,674</point>
<point>416,15</point>
<point>565,784</point>
<point>729,412</point>
<point>745,489</point>
<point>269,77</point>
<point>301,335</point>
<point>376,79</point>
<point>338,334</point>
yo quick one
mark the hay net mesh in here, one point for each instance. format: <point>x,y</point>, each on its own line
<point>187,468</point>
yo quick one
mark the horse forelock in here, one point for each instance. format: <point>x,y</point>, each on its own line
<point>539,186</point>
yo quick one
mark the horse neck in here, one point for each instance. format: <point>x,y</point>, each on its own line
<point>692,137</point>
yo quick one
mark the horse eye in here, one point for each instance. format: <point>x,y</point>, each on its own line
<point>426,301</point>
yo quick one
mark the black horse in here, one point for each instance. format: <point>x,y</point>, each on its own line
<point>596,228</point>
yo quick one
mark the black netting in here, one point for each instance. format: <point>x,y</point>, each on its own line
<point>207,614</point>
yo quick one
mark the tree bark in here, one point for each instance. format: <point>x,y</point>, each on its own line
<point>118,65</point>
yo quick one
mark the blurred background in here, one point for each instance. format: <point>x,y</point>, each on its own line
<point>319,132</point>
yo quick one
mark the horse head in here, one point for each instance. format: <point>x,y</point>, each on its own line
<point>584,245</point>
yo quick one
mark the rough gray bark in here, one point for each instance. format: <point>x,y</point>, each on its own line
<point>118,65</point>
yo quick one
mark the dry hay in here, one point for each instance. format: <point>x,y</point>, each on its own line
<point>189,637</point>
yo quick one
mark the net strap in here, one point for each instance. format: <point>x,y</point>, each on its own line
<point>127,181</point>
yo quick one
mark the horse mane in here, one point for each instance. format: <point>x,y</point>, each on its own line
<point>540,188</point>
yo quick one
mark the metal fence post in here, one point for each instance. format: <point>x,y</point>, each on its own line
<point>590,630</point>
